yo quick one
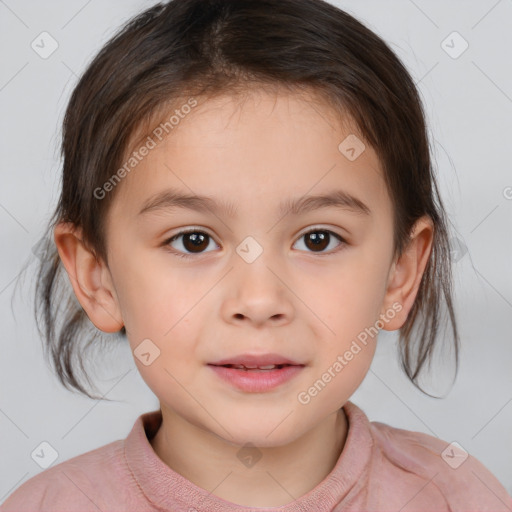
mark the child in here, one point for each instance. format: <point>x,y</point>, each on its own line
<point>248,196</point>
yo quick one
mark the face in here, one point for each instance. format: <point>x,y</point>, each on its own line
<point>253,276</point>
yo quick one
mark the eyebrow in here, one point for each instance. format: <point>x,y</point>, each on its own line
<point>172,199</point>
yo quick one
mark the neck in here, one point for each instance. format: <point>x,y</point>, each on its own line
<point>281,475</point>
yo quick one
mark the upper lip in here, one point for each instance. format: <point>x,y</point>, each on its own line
<point>256,360</point>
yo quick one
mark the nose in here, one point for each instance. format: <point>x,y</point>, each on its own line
<point>257,294</point>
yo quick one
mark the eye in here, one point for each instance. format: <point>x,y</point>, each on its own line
<point>318,239</point>
<point>194,241</point>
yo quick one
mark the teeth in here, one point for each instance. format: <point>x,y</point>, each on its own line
<point>252,367</point>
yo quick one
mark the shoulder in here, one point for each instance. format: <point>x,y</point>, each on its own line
<point>445,468</point>
<point>79,483</point>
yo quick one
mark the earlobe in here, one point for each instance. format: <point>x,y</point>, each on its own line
<point>407,271</point>
<point>89,277</point>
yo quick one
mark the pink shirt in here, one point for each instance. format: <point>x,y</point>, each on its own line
<point>380,469</point>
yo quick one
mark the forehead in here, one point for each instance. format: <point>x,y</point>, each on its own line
<point>261,148</point>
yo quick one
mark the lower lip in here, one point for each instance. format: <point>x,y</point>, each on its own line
<point>256,381</point>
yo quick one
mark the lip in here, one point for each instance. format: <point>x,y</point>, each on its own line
<point>256,381</point>
<point>257,360</point>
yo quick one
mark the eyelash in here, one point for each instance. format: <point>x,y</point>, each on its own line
<point>195,230</point>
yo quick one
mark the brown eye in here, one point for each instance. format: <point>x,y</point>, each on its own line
<point>192,242</point>
<point>318,240</point>
<point>195,242</point>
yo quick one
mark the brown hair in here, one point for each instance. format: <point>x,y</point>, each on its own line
<point>188,48</point>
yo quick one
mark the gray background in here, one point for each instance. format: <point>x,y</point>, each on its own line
<point>468,102</point>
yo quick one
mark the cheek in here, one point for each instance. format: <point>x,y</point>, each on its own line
<point>165,353</point>
<point>344,358</point>
<point>350,299</point>
<point>348,302</point>
<point>154,298</point>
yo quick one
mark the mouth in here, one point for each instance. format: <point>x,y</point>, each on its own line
<point>251,361</point>
<point>256,379</point>
<point>251,368</point>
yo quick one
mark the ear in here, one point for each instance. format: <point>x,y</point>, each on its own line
<point>90,278</point>
<point>406,272</point>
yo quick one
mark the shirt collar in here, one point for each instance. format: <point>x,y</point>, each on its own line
<point>167,489</point>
